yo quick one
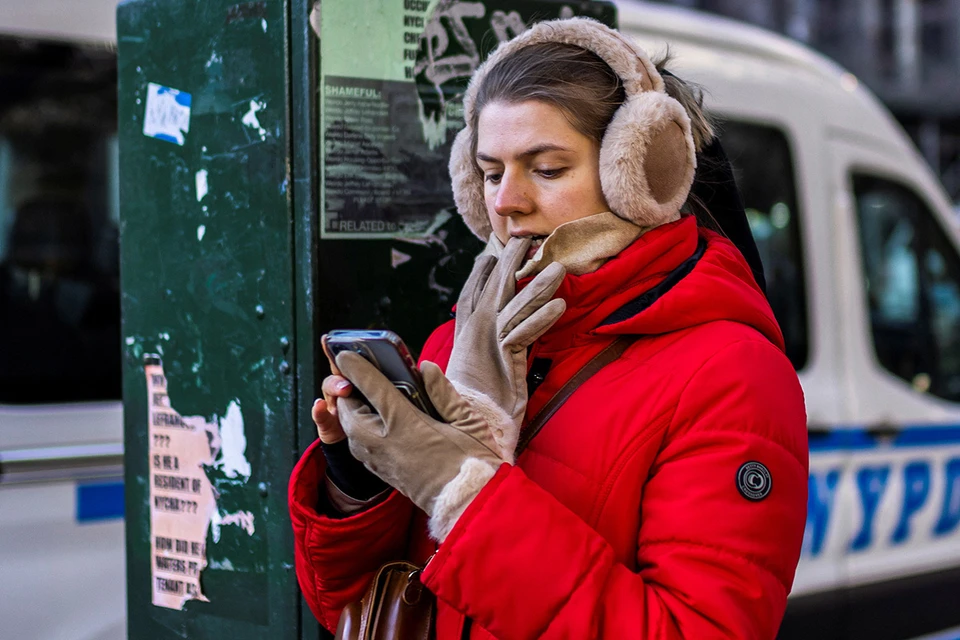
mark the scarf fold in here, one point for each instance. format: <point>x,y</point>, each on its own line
<point>581,246</point>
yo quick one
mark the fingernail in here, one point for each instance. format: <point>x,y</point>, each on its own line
<point>317,401</point>
<point>342,385</point>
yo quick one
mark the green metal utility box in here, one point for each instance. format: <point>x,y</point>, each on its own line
<point>282,173</point>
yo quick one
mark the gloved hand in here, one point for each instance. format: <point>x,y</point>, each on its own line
<point>440,466</point>
<point>494,327</point>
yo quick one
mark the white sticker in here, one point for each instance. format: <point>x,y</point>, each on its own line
<point>250,118</point>
<point>242,519</point>
<point>201,180</point>
<point>233,460</point>
<point>167,115</point>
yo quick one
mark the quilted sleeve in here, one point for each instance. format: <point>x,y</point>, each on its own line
<point>335,559</point>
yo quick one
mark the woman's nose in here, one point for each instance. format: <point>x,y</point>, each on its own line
<point>512,197</point>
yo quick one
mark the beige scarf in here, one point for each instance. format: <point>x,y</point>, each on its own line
<point>581,246</point>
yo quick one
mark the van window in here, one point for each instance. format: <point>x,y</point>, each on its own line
<point>763,166</point>
<point>912,278</point>
<point>59,273</point>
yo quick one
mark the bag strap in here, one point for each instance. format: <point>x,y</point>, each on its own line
<point>610,353</point>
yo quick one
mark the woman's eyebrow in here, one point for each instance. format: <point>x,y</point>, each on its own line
<point>529,153</point>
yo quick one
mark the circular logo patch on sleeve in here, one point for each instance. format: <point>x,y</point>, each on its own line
<point>754,481</point>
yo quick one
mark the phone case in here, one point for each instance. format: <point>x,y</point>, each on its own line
<point>386,351</point>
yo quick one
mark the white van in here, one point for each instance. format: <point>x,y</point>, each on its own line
<point>859,244</point>
<point>860,247</point>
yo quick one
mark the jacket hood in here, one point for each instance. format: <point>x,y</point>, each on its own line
<point>719,287</point>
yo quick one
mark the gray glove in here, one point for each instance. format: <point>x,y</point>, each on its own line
<point>494,327</point>
<point>440,466</point>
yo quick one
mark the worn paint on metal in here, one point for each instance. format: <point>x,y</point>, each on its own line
<point>205,241</point>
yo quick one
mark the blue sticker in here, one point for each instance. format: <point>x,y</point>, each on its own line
<point>101,501</point>
<point>167,114</point>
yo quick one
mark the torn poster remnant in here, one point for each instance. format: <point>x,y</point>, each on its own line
<point>181,497</point>
<point>182,501</point>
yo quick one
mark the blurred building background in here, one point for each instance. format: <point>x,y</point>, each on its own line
<point>906,51</point>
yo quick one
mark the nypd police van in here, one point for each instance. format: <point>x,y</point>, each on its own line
<point>860,247</point>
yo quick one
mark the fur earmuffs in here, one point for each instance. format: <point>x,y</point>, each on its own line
<point>647,155</point>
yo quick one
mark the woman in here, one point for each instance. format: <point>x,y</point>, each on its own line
<point>666,497</point>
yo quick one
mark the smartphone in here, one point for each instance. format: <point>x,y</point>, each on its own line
<point>386,351</point>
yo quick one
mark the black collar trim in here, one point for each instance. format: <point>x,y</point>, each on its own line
<point>638,305</point>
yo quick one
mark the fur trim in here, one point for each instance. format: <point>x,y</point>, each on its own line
<point>629,196</point>
<point>629,144</point>
<point>457,495</point>
<point>467,185</point>
<point>504,432</point>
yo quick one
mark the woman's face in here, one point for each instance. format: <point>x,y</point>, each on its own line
<point>538,171</point>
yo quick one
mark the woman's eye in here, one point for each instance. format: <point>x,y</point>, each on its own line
<point>492,177</point>
<point>550,173</point>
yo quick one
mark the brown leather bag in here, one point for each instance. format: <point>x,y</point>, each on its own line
<point>396,607</point>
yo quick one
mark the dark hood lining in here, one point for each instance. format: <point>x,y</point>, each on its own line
<point>645,300</point>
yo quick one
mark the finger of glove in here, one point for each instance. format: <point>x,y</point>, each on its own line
<point>359,421</point>
<point>533,297</point>
<point>365,438</point>
<point>479,275</point>
<point>466,429</point>
<point>503,281</point>
<point>527,332</point>
<point>445,398</point>
<point>386,399</point>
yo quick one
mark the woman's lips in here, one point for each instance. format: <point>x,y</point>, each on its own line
<point>534,247</point>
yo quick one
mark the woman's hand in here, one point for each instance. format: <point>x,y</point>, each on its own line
<point>440,465</point>
<point>494,327</point>
<point>325,409</point>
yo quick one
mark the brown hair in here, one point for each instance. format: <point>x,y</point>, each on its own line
<point>575,81</point>
<point>581,85</point>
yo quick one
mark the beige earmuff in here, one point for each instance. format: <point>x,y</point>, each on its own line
<point>647,155</point>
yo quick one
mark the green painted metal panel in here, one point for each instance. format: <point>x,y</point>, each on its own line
<point>207,280</point>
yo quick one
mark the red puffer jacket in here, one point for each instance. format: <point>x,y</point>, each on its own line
<point>632,514</point>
